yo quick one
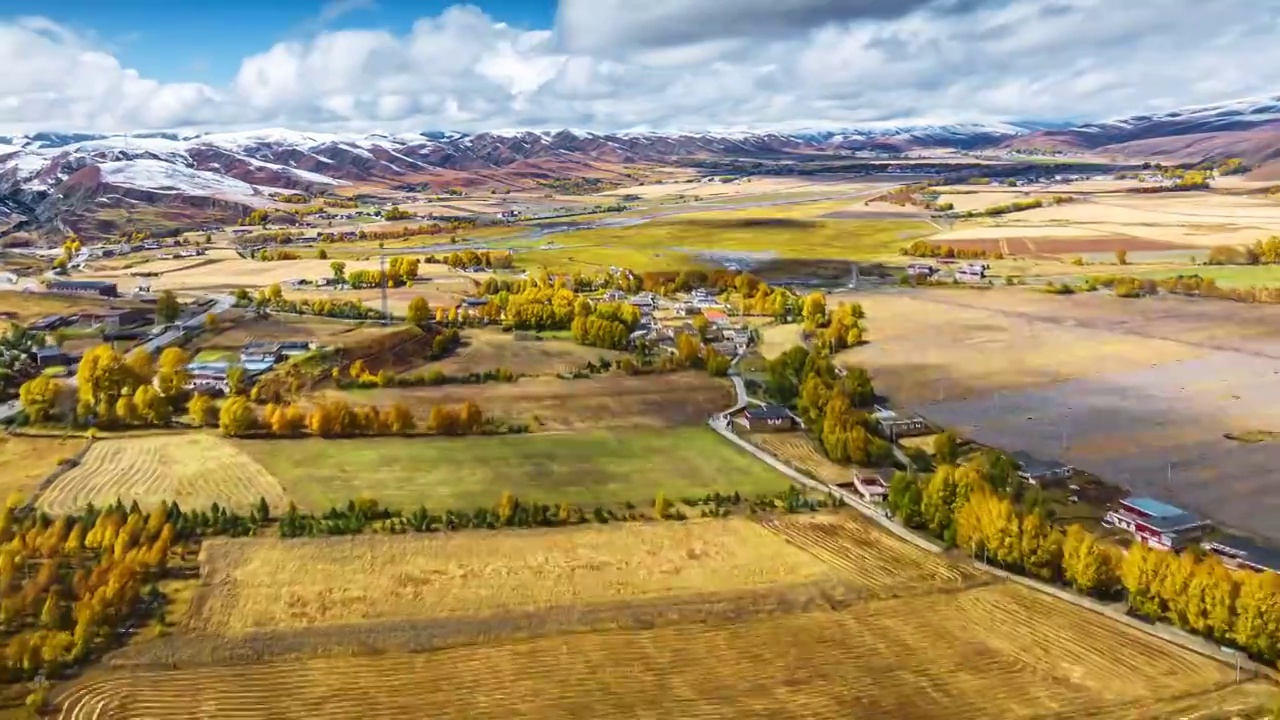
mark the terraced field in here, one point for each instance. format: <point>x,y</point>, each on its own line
<point>194,469</point>
<point>1000,653</point>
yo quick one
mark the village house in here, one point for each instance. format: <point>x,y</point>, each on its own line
<point>1241,552</point>
<point>872,484</point>
<point>644,301</point>
<point>767,418</point>
<point>116,318</point>
<point>924,270</point>
<point>47,357</point>
<point>260,352</point>
<point>614,296</point>
<point>1157,524</point>
<point>716,317</point>
<point>84,287</point>
<point>50,323</point>
<point>1041,472</point>
<point>895,425</point>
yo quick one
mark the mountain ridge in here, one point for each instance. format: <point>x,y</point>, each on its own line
<point>213,176</point>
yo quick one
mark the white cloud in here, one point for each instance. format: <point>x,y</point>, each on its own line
<point>680,64</point>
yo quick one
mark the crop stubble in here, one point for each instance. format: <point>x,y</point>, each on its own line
<point>193,469</point>
<point>261,584</point>
<point>914,658</point>
<point>977,652</point>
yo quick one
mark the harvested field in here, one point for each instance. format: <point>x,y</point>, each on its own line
<point>993,652</point>
<point>871,557</point>
<point>777,339</point>
<point>26,460</point>
<point>1137,393</point>
<point>194,469</point>
<point>597,402</point>
<point>283,327</point>
<point>946,345</point>
<point>229,272</point>
<point>488,349</point>
<point>798,451</point>
<point>269,583</point>
<point>1025,246</point>
<point>586,468</point>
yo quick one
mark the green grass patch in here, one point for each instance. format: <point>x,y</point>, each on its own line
<point>694,240</point>
<point>586,469</point>
<point>1227,276</point>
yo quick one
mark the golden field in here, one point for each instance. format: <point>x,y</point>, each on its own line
<point>260,584</point>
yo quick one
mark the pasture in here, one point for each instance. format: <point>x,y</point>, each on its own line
<point>25,460</point>
<point>486,349</point>
<point>227,271</point>
<point>709,239</point>
<point>269,584</point>
<point>776,339</point>
<point>585,468</point>
<point>194,469</point>
<point>1140,393</point>
<point>612,401</point>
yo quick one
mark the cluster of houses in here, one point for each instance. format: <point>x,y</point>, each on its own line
<point>967,272</point>
<point>256,357</point>
<point>187,253</point>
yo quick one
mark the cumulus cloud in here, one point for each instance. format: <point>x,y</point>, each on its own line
<point>681,65</point>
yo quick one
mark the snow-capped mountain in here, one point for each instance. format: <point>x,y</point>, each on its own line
<point>1248,128</point>
<point>66,176</point>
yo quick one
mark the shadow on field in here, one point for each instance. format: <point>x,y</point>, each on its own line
<point>750,223</point>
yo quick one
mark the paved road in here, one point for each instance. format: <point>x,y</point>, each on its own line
<point>174,337</point>
<point>722,423</point>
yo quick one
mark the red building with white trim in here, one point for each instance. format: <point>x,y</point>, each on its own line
<point>1157,524</point>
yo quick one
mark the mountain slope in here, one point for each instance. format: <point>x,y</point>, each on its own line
<point>1247,128</point>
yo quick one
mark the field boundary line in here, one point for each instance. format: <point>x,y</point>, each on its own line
<point>1159,630</point>
<point>62,469</point>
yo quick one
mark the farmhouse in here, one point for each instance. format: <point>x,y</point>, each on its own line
<point>1157,524</point>
<point>897,425</point>
<point>117,317</point>
<point>50,322</point>
<point>716,317</point>
<point>921,269</point>
<point>84,287</point>
<point>1241,552</point>
<point>872,485</point>
<point>48,357</point>
<point>261,352</point>
<point>768,418</point>
<point>1041,472</point>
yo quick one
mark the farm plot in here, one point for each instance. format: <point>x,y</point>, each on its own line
<point>193,469</point>
<point>998,653</point>
<point>488,349</point>
<point>281,327</point>
<point>26,460</point>
<point>599,402</point>
<point>585,468</point>
<point>272,584</point>
<point>873,558</point>
<point>798,451</point>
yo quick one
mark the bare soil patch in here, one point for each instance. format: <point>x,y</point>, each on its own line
<point>486,349</point>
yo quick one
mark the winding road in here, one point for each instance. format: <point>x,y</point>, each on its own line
<point>722,423</point>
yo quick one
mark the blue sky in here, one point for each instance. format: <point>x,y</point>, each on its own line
<point>681,65</point>
<point>193,40</point>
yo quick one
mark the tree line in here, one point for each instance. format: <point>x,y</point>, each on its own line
<point>925,249</point>
<point>273,299</point>
<point>335,418</point>
<point>974,505</point>
<point>112,390</point>
<point>835,329</point>
<point>470,258</point>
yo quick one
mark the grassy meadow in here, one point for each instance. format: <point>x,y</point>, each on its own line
<point>586,469</point>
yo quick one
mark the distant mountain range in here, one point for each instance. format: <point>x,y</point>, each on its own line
<point>83,181</point>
